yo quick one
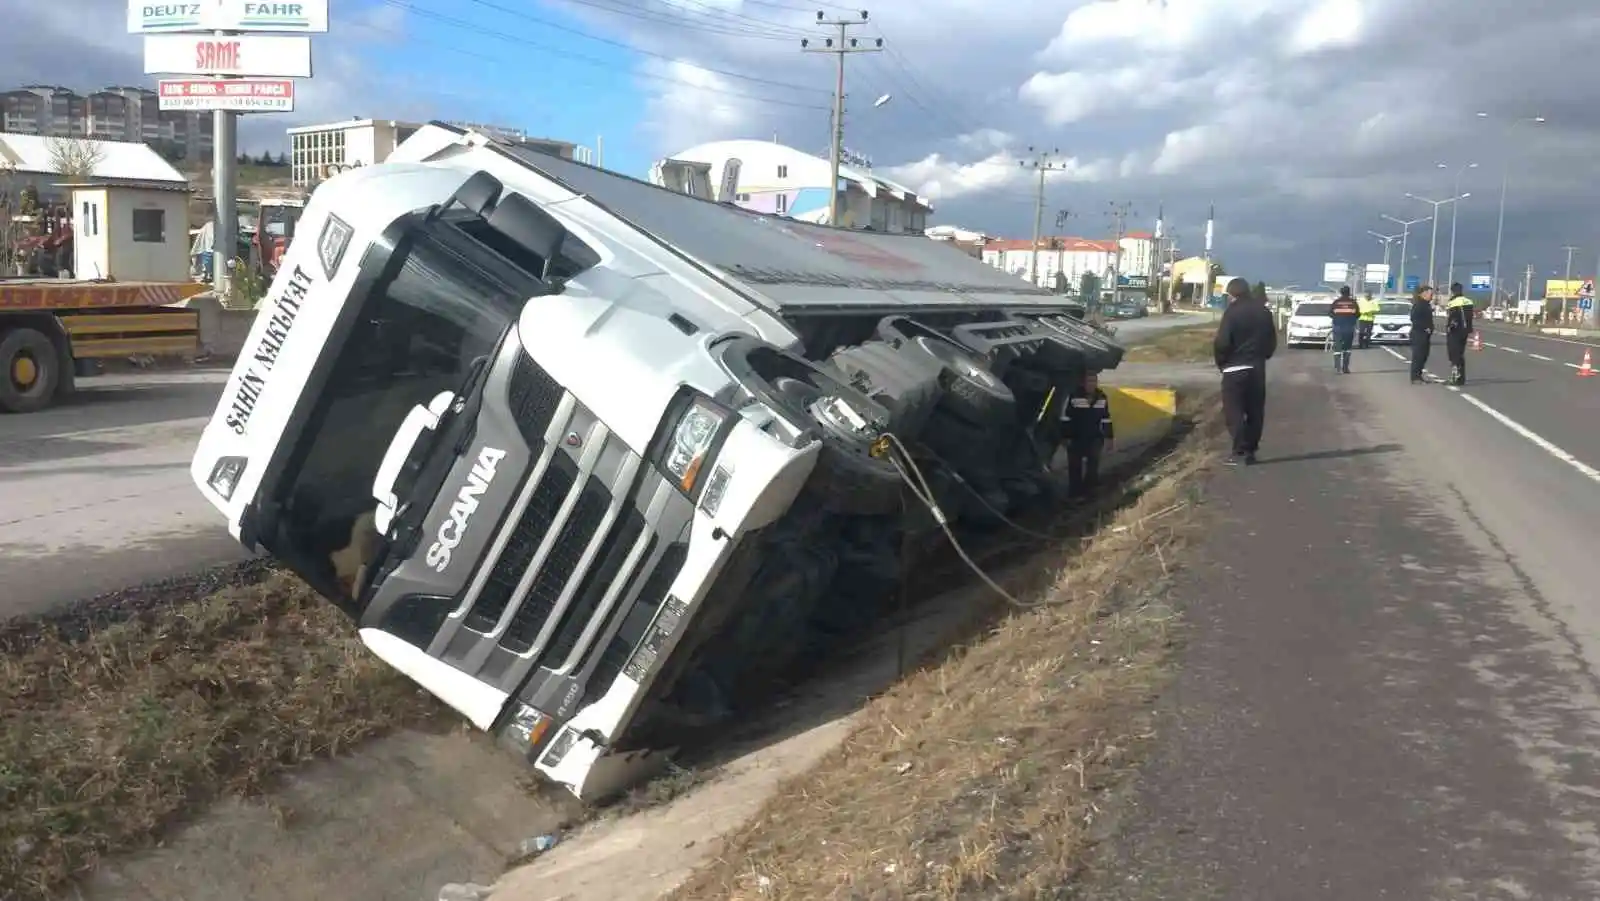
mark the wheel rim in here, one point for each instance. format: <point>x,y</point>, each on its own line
<point>24,372</point>
<point>957,361</point>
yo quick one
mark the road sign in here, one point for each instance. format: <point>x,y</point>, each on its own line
<point>1586,303</point>
<point>1335,273</point>
<point>239,95</point>
<point>1481,281</point>
<point>1413,282</point>
<point>1377,273</point>
<point>302,17</point>
<point>203,54</point>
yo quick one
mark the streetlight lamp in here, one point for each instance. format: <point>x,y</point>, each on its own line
<point>1433,243</point>
<point>1505,176</point>
<point>1454,209</point>
<point>1405,241</point>
<point>1387,240</point>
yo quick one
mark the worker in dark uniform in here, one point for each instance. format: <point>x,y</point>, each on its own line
<point>1086,428</point>
<point>1421,332</point>
<point>1345,313</point>
<point>1246,339</point>
<point>1369,321</point>
<point>1457,329</point>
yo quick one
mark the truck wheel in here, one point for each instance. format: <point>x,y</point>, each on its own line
<point>30,371</point>
<point>847,479</point>
<point>971,391</point>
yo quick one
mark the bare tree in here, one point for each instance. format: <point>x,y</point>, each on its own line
<point>75,159</point>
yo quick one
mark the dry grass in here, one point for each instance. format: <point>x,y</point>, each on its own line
<point>1187,345</point>
<point>981,776</point>
<point>109,739</point>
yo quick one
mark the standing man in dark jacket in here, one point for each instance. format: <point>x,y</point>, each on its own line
<point>1246,339</point>
<point>1346,314</point>
<point>1457,329</point>
<point>1087,429</point>
<point>1421,332</point>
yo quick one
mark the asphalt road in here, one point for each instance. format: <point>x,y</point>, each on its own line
<point>1389,688</point>
<point>97,494</point>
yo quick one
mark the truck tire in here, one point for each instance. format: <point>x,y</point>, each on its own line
<point>30,371</point>
<point>847,478</point>
<point>971,391</point>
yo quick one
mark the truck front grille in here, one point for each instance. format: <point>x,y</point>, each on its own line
<point>574,507</point>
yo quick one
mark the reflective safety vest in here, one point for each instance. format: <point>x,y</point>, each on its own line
<point>1458,314</point>
<point>1369,310</point>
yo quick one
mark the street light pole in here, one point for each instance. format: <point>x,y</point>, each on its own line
<point>1505,178</point>
<point>1454,209</point>
<point>1388,241</point>
<point>1405,243</point>
<point>1433,244</point>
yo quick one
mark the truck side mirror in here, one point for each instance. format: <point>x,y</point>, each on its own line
<point>527,225</point>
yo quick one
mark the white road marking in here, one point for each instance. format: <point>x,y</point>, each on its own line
<point>1557,339</point>
<point>1511,350</point>
<point>1541,357</point>
<point>1534,438</point>
<point>1487,344</point>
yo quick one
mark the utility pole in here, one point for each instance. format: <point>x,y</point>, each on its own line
<point>1567,282</point>
<point>1118,213</point>
<point>1527,286</point>
<point>840,47</point>
<point>1155,259</point>
<point>1211,218</point>
<point>1043,161</point>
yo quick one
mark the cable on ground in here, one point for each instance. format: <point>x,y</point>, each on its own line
<point>916,482</point>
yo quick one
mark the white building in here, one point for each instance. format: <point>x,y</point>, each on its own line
<point>780,180</point>
<point>1138,254</point>
<point>1071,257</point>
<point>26,161</point>
<point>317,151</point>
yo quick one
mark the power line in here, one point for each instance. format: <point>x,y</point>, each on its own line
<point>840,47</point>
<point>610,65</point>
<point>624,45</point>
<point>717,21</point>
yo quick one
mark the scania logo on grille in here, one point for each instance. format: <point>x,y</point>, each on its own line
<point>573,440</point>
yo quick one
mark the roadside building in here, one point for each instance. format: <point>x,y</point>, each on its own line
<point>779,180</point>
<point>28,161</point>
<point>1067,256</point>
<point>317,151</point>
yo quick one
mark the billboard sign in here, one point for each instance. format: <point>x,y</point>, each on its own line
<point>302,17</point>
<point>1413,282</point>
<point>204,54</point>
<point>1557,287</point>
<point>238,95</point>
<point>1377,273</point>
<point>1481,281</point>
<point>1335,273</point>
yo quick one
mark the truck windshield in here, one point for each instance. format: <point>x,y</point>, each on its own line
<point>441,302</point>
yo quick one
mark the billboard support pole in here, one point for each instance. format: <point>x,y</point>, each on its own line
<point>224,190</point>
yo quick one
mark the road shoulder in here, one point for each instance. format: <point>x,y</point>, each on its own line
<point>1374,701</point>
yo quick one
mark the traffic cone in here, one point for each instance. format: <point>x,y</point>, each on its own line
<point>1477,340</point>
<point>1586,368</point>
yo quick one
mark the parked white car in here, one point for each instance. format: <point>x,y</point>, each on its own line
<point>1309,323</point>
<point>1393,323</point>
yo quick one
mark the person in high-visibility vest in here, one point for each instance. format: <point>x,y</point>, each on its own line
<point>1369,321</point>
<point>1457,329</point>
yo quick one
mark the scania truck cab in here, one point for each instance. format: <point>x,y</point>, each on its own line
<point>586,459</point>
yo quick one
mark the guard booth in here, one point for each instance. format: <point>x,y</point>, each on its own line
<point>130,234</point>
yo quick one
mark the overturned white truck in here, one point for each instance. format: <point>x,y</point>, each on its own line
<point>588,459</point>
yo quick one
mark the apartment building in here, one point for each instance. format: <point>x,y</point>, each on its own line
<point>116,113</point>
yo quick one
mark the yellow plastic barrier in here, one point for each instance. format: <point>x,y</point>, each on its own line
<point>1141,414</point>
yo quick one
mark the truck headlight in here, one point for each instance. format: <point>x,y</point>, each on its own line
<point>225,475</point>
<point>691,442</point>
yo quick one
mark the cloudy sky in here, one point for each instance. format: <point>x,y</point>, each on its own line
<point>1303,121</point>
